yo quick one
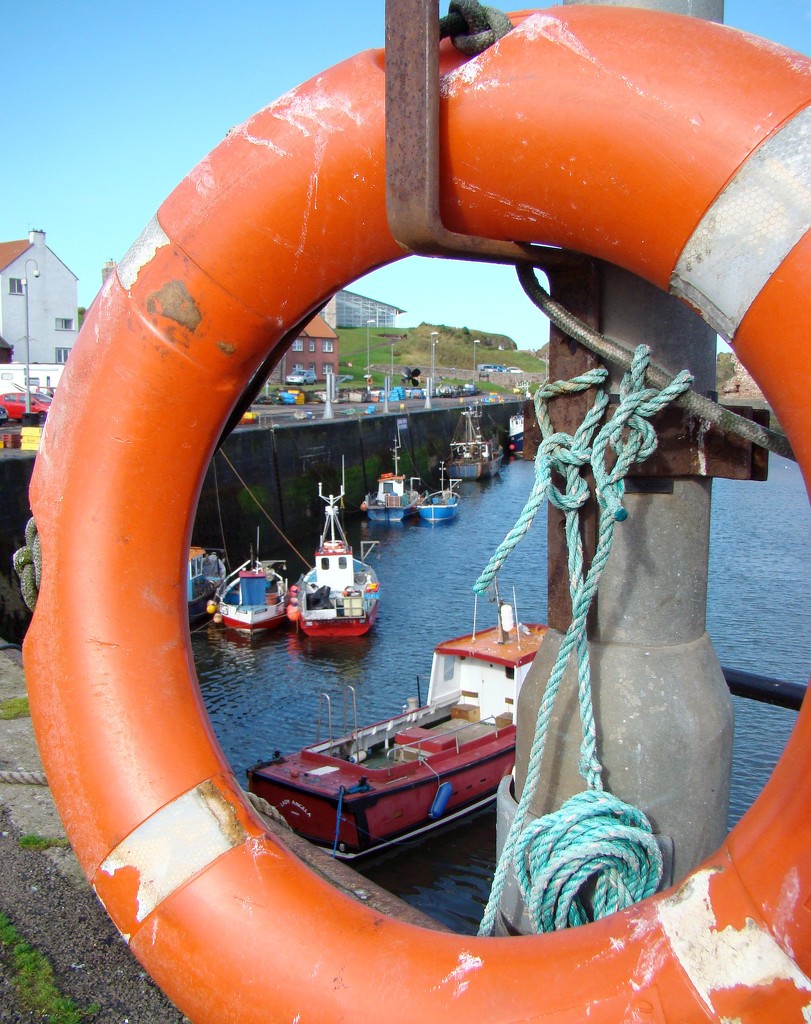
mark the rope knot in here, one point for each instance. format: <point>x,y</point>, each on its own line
<point>592,857</point>
<point>27,562</point>
<point>473,27</point>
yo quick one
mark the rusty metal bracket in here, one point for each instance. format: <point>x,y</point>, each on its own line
<point>412,148</point>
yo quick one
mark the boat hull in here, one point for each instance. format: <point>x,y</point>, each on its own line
<point>438,513</point>
<point>397,803</point>
<point>198,607</point>
<point>474,470</point>
<point>254,620</point>
<point>389,515</point>
<point>334,626</point>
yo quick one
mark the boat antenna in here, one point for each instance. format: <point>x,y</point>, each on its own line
<point>475,606</point>
<point>502,639</point>
<point>517,622</point>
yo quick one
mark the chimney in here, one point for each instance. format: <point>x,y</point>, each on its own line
<point>36,237</point>
<point>107,269</point>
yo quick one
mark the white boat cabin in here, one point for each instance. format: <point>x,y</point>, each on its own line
<point>485,671</point>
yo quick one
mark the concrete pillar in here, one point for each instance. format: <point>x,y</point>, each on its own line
<point>662,708</point>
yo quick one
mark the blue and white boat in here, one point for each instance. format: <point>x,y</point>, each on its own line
<point>516,434</point>
<point>440,506</point>
<point>395,499</point>
<point>206,571</point>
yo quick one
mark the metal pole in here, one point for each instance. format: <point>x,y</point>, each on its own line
<point>28,338</point>
<point>476,342</point>
<point>434,336</point>
<point>368,363</point>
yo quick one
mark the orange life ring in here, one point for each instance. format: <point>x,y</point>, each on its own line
<point>630,167</point>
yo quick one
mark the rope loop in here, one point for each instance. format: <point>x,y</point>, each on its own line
<point>473,27</point>
<point>592,857</point>
<point>27,562</point>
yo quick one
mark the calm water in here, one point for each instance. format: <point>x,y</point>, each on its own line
<point>262,694</point>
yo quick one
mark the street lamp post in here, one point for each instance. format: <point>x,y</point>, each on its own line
<point>28,337</point>
<point>475,343</point>
<point>368,364</point>
<point>434,336</point>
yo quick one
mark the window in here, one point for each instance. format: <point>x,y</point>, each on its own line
<point>328,345</point>
<point>64,323</point>
<point>311,345</point>
<point>62,355</point>
<point>15,286</point>
<point>298,345</point>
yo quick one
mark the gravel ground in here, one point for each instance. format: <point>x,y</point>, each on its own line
<point>66,923</point>
<point>49,903</point>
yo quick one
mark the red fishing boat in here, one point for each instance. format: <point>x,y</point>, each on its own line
<point>339,595</point>
<point>375,785</point>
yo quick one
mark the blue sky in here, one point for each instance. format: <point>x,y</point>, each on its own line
<point>108,105</point>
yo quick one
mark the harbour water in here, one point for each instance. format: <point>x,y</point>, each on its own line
<point>263,694</point>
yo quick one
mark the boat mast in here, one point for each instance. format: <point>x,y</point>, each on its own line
<point>333,531</point>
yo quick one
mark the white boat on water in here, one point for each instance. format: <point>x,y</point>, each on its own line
<point>253,597</point>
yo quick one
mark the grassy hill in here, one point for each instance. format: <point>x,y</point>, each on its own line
<point>410,347</point>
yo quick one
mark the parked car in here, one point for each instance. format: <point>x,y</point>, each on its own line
<point>470,389</point>
<point>447,391</point>
<point>14,403</point>
<point>514,369</point>
<point>3,414</point>
<point>301,377</point>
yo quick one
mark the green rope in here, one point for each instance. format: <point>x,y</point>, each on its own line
<point>594,835</point>
<point>472,26</point>
<point>27,562</point>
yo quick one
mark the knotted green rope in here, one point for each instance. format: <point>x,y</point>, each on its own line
<point>27,562</point>
<point>472,26</point>
<point>593,835</point>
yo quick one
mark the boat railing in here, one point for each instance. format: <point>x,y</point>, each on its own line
<point>349,689</point>
<point>366,547</point>
<point>324,698</point>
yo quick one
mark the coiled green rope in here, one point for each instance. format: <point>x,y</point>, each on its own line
<point>27,562</point>
<point>594,836</point>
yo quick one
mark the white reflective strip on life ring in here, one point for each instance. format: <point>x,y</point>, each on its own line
<point>176,843</point>
<point>750,229</point>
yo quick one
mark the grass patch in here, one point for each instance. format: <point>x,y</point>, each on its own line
<point>31,841</point>
<point>34,980</point>
<point>15,707</point>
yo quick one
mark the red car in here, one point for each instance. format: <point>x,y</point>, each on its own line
<point>14,402</point>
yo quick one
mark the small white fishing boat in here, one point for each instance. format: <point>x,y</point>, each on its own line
<point>395,499</point>
<point>440,506</point>
<point>339,595</point>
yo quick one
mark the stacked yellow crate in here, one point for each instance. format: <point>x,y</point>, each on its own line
<point>31,437</point>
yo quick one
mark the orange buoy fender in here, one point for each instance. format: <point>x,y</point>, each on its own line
<point>609,131</point>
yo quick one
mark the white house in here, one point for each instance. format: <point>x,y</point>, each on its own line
<point>38,301</point>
